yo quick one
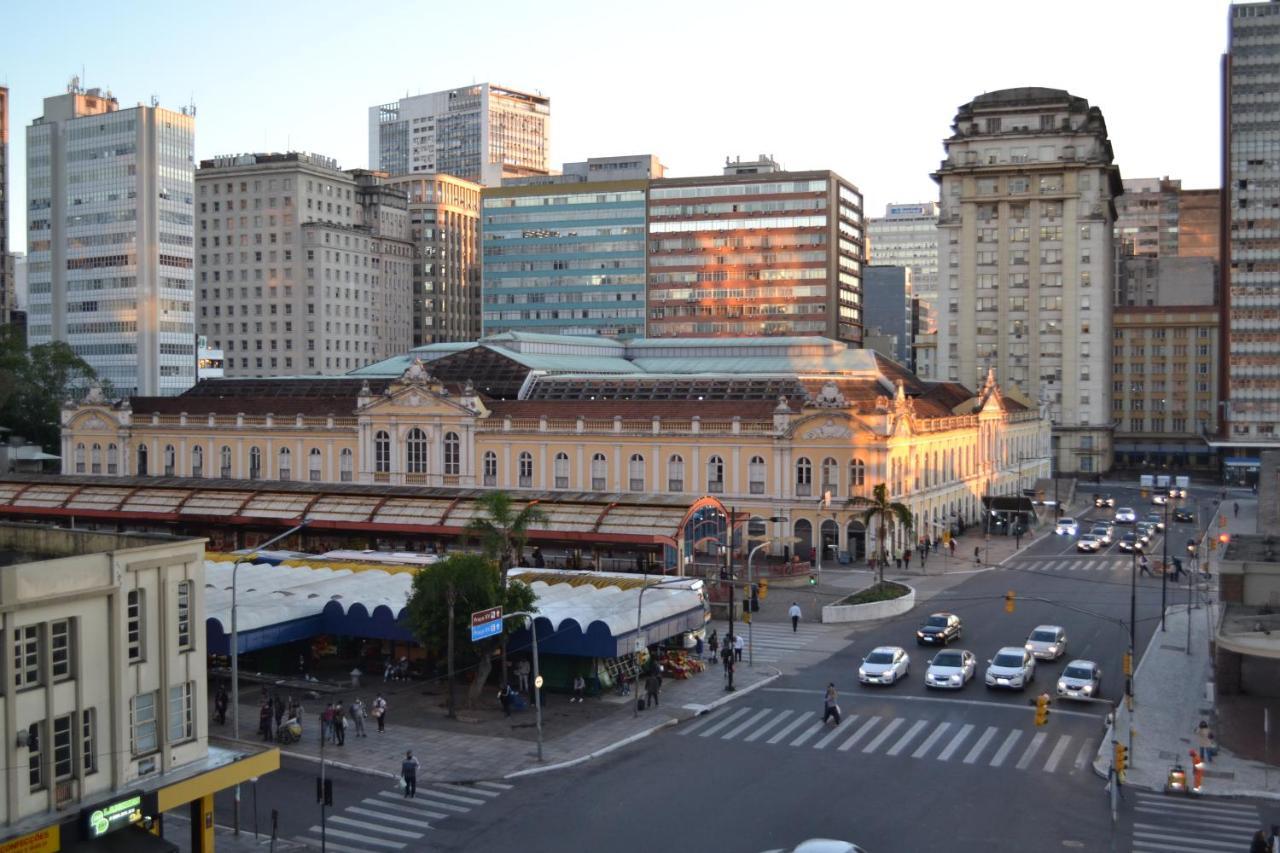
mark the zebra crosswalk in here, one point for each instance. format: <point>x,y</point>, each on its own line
<point>1177,823</point>
<point>1084,564</point>
<point>900,737</point>
<point>390,821</point>
<point>772,642</point>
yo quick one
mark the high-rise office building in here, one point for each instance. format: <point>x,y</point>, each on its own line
<point>109,238</point>
<point>907,236</point>
<point>444,224</point>
<point>302,268</point>
<point>8,292</point>
<point>1026,259</point>
<point>482,133</point>
<point>1147,218</point>
<point>889,309</point>
<point>1250,253</point>
<point>755,252</point>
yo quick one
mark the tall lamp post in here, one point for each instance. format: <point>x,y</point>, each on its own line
<point>682,583</point>
<point>1164,561</point>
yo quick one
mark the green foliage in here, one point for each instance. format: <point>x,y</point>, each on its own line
<point>879,508</point>
<point>35,382</point>
<point>502,531</point>
<point>474,581</point>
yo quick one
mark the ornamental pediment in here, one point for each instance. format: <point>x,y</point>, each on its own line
<point>827,426</point>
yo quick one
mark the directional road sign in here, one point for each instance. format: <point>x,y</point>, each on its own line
<point>486,623</point>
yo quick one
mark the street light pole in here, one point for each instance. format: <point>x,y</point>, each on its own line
<point>639,626</point>
<point>751,651</point>
<point>1133,642</point>
<point>729,688</point>
<point>1164,571</point>
<point>537,676</point>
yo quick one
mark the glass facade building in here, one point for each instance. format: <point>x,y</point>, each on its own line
<point>110,238</point>
<point>567,259</point>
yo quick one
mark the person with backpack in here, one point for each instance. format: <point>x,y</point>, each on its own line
<point>380,713</point>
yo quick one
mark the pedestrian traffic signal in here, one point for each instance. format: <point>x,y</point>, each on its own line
<point>1042,709</point>
<point>1008,601</point>
<point>1121,760</point>
<point>813,580</point>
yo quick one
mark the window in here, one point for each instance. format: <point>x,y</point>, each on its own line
<point>490,468</point>
<point>286,469</point>
<point>135,640</point>
<point>526,469</point>
<point>26,656</point>
<point>89,741</point>
<point>181,712</point>
<point>382,452</point>
<point>79,454</point>
<point>416,452</point>
<point>452,454</point>
<point>113,459</point>
<point>830,474</point>
<point>225,462</point>
<point>804,477</point>
<point>96,460</point>
<point>170,460</point>
<point>715,475</point>
<point>599,472</point>
<point>35,766</point>
<point>755,475</point>
<point>675,474</point>
<point>857,475</point>
<point>197,462</point>
<point>345,464</point>
<point>184,615</point>
<point>60,649</point>
<point>142,723</point>
<point>313,464</point>
<point>561,470</point>
<point>63,753</point>
<point>635,472</point>
<point>142,460</point>
<point>255,463</point>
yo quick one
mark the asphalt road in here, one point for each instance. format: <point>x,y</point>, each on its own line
<point>907,769</point>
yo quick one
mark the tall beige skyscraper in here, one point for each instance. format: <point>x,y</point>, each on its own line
<point>1025,259</point>
<point>109,238</point>
<point>8,294</point>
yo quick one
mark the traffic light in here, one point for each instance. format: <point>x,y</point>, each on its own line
<point>1042,709</point>
<point>1121,760</point>
<point>1127,661</point>
<point>764,587</point>
<point>755,599</point>
<point>813,580</point>
<point>1008,601</point>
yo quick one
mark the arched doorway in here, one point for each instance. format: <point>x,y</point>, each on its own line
<point>804,538</point>
<point>856,539</point>
<point>830,539</point>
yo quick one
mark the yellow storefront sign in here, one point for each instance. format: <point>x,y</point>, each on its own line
<point>47,840</point>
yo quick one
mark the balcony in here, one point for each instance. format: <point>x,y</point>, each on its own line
<point>804,490</point>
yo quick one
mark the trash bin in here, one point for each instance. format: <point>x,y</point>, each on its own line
<point>355,677</point>
<point>640,704</point>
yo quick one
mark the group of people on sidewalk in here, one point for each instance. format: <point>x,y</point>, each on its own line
<point>281,719</point>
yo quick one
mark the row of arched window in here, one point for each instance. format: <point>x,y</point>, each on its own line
<point>284,462</point>
<point>416,452</point>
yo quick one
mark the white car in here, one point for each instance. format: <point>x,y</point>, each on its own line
<point>1105,533</point>
<point>884,665</point>
<point>1067,527</point>
<point>1080,680</point>
<point>1126,515</point>
<point>1047,642</point>
<point>1013,667</point>
<point>1159,499</point>
<point>1089,543</point>
<point>951,669</point>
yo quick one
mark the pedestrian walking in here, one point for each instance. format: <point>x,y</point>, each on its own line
<point>897,559</point>
<point>380,713</point>
<point>830,705</point>
<point>579,688</point>
<point>924,555</point>
<point>504,696</point>
<point>279,711</point>
<point>906,559</point>
<point>714,644</point>
<point>264,720</point>
<point>1259,843</point>
<point>977,555</point>
<point>1235,509</point>
<point>357,717</point>
<point>1204,739</point>
<point>409,773</point>
<point>1177,569</point>
<point>326,723</point>
<point>794,613</point>
<point>952,543</point>
<point>339,725</point>
<point>220,705</point>
<point>726,656</point>
<point>652,686</point>
<point>739,646</point>
<point>697,647</point>
<point>522,675</point>
<point>1144,566</point>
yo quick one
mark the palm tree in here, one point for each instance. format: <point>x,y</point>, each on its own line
<point>878,506</point>
<point>503,533</point>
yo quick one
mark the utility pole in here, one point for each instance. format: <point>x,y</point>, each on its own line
<point>729,688</point>
<point>1164,571</point>
<point>1133,642</point>
<point>451,596</point>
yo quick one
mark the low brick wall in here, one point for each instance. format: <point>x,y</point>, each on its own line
<point>869,612</point>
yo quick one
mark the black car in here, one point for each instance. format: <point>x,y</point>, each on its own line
<point>1103,500</point>
<point>1132,542</point>
<point>1184,515</point>
<point>939,629</point>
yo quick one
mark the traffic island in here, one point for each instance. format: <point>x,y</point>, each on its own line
<point>878,601</point>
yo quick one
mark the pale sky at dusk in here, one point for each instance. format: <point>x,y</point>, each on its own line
<point>866,88</point>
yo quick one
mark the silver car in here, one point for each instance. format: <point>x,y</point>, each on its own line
<point>885,665</point>
<point>1105,533</point>
<point>951,669</point>
<point>1047,642</point>
<point>1125,515</point>
<point>1080,680</point>
<point>1012,667</point>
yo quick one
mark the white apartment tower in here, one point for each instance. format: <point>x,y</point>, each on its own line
<point>1025,259</point>
<point>907,236</point>
<point>481,133</point>
<point>302,268</point>
<point>109,238</point>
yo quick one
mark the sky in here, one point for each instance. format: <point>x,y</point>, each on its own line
<point>865,87</point>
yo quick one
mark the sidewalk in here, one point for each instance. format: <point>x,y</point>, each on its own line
<point>1172,691</point>
<point>573,733</point>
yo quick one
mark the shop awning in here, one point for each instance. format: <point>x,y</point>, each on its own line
<point>131,840</point>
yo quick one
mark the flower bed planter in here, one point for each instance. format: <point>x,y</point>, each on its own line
<point>840,612</point>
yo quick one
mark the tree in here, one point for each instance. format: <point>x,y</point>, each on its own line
<point>878,506</point>
<point>35,382</point>
<point>503,533</point>
<point>472,582</point>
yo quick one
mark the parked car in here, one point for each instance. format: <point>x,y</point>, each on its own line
<point>1156,519</point>
<point>1103,500</point>
<point>1125,515</point>
<point>1185,516</point>
<point>939,629</point>
<point>1067,527</point>
<point>884,665</point>
<point>1131,542</point>
<point>1047,642</point>
<point>1105,532</point>
<point>1081,679</point>
<point>951,669</point>
<point>1013,667</point>
<point>1089,543</point>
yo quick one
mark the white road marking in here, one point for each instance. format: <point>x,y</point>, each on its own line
<point>724,722</point>
<point>933,738</point>
<point>498,785</point>
<point>879,696</point>
<point>951,747</point>
<point>1002,753</point>
<point>1029,754</point>
<point>791,726</point>
<point>908,737</point>
<point>373,827</point>
<point>422,801</point>
<point>760,731</point>
<point>1056,754</point>
<point>866,727</point>
<point>980,745</point>
<point>466,789</point>
<point>741,727</point>
<point>406,809</point>
<point>457,798</point>
<point>382,815</point>
<point>884,735</point>
<point>363,839</point>
<point>1086,752</point>
<point>836,732</point>
<point>808,733</point>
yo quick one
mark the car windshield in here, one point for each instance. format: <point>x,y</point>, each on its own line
<point>1066,521</point>
<point>936,622</point>
<point>1129,537</point>
<point>1099,530</point>
<point>880,657</point>
<point>1043,636</point>
<point>949,659</point>
<point>1077,672</point>
<point>1009,660</point>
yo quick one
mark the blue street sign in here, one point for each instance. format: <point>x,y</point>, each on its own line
<point>485,630</point>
